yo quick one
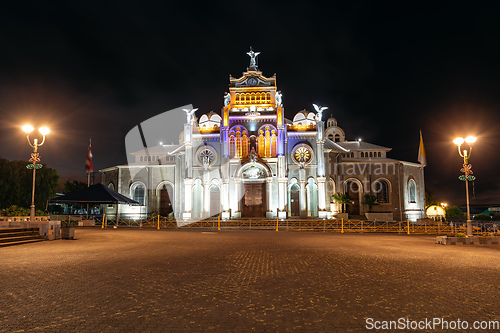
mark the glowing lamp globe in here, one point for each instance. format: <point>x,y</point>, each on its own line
<point>44,130</point>
<point>458,141</point>
<point>470,139</point>
<point>27,128</point>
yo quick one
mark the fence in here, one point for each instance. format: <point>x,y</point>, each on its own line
<point>327,225</point>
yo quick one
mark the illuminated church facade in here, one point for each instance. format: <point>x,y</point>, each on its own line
<point>249,161</point>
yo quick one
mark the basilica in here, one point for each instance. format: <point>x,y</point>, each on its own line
<point>250,161</point>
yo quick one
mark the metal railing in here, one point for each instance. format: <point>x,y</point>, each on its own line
<point>326,225</point>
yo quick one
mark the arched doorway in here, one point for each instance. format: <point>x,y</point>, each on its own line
<point>166,205</point>
<point>253,203</point>
<point>295,200</point>
<point>312,198</point>
<point>352,189</point>
<point>214,200</point>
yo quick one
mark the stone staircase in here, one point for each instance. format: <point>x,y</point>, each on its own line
<point>17,236</point>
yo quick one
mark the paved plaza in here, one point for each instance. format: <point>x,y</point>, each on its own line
<point>132,280</point>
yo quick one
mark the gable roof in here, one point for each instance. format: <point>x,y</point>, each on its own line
<point>97,193</point>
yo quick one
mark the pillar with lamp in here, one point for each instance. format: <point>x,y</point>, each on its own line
<point>467,170</point>
<point>35,158</point>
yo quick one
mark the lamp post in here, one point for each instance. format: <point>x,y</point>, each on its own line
<point>467,170</point>
<point>35,158</point>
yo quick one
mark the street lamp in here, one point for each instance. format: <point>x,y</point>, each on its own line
<point>467,170</point>
<point>35,158</point>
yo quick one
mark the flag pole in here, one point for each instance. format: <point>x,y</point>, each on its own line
<point>422,158</point>
<point>89,168</point>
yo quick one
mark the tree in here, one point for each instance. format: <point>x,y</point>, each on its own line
<point>430,198</point>
<point>454,212</point>
<point>343,199</point>
<point>370,200</point>
<point>73,186</point>
<point>482,217</point>
<point>16,184</point>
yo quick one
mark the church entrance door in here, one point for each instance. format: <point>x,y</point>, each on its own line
<point>294,200</point>
<point>254,200</point>
<point>352,188</point>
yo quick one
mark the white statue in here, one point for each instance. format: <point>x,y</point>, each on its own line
<point>253,55</point>
<point>279,98</point>
<point>206,162</point>
<point>227,99</point>
<point>319,110</point>
<point>190,115</point>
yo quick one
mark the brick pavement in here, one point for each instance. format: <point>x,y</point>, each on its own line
<point>262,281</point>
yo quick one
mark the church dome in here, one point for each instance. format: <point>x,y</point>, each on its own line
<point>331,122</point>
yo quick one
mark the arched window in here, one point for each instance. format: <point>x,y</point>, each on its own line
<point>232,144</point>
<point>244,144</point>
<point>141,159</point>
<point>412,190</point>
<point>382,191</point>
<point>138,193</point>
<point>362,154</point>
<point>379,154</point>
<point>337,137</point>
<point>111,186</point>
<point>371,154</point>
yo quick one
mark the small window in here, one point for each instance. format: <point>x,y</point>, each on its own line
<point>371,154</point>
<point>362,154</point>
<point>379,154</point>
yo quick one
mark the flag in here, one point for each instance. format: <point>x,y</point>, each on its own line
<point>89,165</point>
<point>421,152</point>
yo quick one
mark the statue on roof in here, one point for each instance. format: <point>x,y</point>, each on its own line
<point>279,98</point>
<point>190,115</point>
<point>319,110</point>
<point>253,63</point>
<point>227,98</point>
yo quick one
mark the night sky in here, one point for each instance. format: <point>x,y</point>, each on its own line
<point>384,69</point>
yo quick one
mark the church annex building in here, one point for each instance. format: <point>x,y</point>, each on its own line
<point>249,161</point>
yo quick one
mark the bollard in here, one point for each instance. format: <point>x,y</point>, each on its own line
<point>342,230</point>
<point>277,220</point>
<point>218,222</point>
<point>408,225</point>
<point>158,222</point>
<point>103,219</point>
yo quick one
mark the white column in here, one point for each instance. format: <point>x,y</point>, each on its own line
<point>269,199</point>
<point>188,184</point>
<point>282,196</point>
<point>225,199</point>
<point>238,194</point>
<point>322,197</point>
<point>206,201</point>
